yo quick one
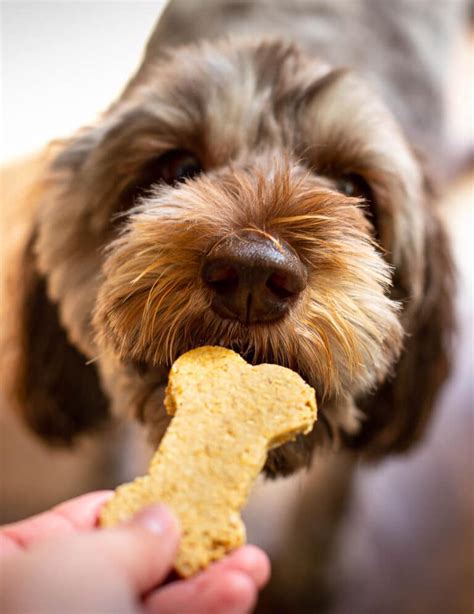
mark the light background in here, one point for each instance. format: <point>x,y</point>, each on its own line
<point>64,62</point>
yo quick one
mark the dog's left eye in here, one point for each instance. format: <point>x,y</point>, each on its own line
<point>355,186</point>
<point>177,165</point>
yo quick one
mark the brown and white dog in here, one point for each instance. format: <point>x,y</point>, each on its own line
<point>258,185</point>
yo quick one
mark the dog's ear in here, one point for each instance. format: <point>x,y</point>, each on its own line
<point>56,281</point>
<point>56,391</point>
<point>396,415</point>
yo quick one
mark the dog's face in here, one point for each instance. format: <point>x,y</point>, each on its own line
<point>248,196</point>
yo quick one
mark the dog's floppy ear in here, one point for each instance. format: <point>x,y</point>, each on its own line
<point>397,414</point>
<point>57,392</point>
<point>55,388</point>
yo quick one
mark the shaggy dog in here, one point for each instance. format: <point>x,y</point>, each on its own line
<point>250,190</point>
<point>243,192</point>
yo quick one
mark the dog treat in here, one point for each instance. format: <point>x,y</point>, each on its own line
<point>227,415</point>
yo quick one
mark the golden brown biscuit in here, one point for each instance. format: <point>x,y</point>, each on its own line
<point>227,415</point>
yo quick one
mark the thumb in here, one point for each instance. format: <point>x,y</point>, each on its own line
<point>143,550</point>
<point>100,570</point>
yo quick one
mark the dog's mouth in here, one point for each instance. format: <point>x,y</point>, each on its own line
<point>250,355</point>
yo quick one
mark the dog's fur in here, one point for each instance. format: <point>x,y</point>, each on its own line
<point>110,289</point>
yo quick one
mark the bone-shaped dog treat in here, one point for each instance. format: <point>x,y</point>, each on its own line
<point>227,415</point>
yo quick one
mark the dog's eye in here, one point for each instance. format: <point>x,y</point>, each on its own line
<point>171,167</point>
<point>355,186</point>
<point>177,165</point>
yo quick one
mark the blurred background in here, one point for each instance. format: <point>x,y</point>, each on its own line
<point>62,63</point>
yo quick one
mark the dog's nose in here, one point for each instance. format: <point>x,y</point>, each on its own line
<point>253,278</point>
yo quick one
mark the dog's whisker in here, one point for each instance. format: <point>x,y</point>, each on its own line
<point>148,269</point>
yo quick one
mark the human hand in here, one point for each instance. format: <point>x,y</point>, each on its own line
<point>59,562</point>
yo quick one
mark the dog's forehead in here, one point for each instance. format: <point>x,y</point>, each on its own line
<point>231,92</point>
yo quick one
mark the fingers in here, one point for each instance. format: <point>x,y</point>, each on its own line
<point>142,551</point>
<point>217,592</point>
<point>251,561</point>
<point>75,515</point>
<point>227,587</point>
<point>104,570</point>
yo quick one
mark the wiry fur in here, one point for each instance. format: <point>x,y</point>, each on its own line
<point>274,129</point>
<point>343,334</point>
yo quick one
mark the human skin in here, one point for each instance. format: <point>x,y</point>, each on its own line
<point>59,561</point>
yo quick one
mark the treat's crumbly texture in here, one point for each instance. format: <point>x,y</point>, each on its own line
<point>227,415</point>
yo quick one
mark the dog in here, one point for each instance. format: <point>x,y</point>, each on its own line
<point>262,183</point>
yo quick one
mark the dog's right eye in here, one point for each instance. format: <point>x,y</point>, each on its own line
<point>177,165</point>
<point>172,167</point>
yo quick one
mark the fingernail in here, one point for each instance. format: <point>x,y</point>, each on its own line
<point>157,519</point>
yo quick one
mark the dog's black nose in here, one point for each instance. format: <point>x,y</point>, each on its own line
<point>253,278</point>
